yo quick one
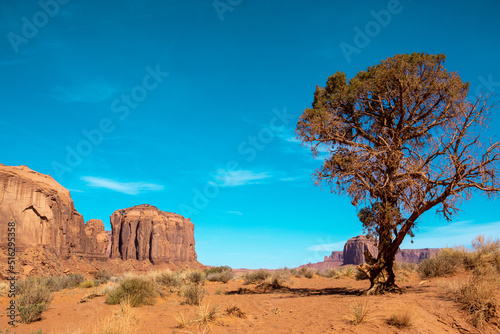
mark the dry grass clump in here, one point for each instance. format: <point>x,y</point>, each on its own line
<point>255,277</point>
<point>137,291</point>
<point>196,277</point>
<point>358,313</point>
<point>401,318</point>
<point>121,322</point>
<point>486,253</point>
<point>55,283</point>
<point>286,272</point>
<point>345,272</point>
<point>34,298</point>
<point>477,296</point>
<point>206,314</point>
<point>274,282</point>
<point>220,274</point>
<point>305,271</point>
<point>90,283</point>
<point>193,294</point>
<point>169,278</point>
<point>447,261</point>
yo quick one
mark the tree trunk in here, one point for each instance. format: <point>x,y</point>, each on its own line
<point>380,273</point>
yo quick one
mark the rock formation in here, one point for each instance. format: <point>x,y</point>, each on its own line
<point>336,256</point>
<point>44,214</point>
<point>144,232</point>
<point>354,249</point>
<point>99,240</point>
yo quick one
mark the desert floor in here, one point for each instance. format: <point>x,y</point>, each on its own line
<point>317,305</point>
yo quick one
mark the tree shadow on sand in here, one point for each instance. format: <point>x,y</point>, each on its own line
<point>297,292</point>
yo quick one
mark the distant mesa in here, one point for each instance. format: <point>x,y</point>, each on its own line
<point>45,216</point>
<point>144,232</point>
<point>354,249</point>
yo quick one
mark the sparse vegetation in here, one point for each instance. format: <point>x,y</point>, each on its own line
<point>358,313</point>
<point>305,271</point>
<point>137,291</point>
<point>121,322</point>
<point>220,274</point>
<point>446,262</point>
<point>89,284</point>
<point>56,283</point>
<point>196,277</point>
<point>169,278</point>
<point>255,277</point>
<point>477,296</point>
<point>345,272</point>
<point>401,318</point>
<point>193,294</point>
<point>34,298</point>
<point>103,276</point>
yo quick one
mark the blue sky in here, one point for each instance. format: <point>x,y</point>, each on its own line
<point>191,106</point>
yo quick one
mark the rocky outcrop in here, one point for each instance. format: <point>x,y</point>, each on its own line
<point>98,239</point>
<point>44,214</point>
<point>144,232</point>
<point>336,256</point>
<point>415,255</point>
<point>354,249</point>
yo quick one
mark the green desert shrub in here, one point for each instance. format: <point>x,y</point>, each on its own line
<point>34,298</point>
<point>136,290</point>
<point>255,277</point>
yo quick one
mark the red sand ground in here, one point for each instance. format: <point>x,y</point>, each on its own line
<point>317,305</point>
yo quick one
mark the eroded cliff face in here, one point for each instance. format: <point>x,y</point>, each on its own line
<point>354,249</point>
<point>99,240</point>
<point>144,232</point>
<point>43,212</point>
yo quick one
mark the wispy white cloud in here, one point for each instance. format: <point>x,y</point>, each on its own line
<point>224,178</point>
<point>130,188</point>
<point>335,246</point>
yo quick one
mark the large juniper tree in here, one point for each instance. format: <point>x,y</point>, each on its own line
<point>402,138</point>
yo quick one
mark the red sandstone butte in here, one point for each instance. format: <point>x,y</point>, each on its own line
<point>144,232</point>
